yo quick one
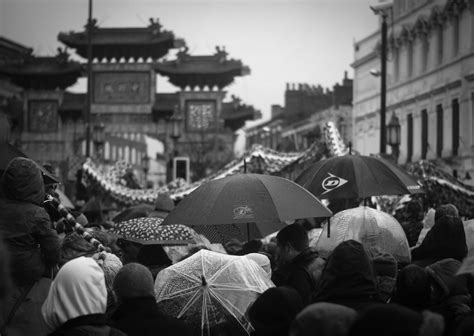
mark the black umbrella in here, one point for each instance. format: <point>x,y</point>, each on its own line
<point>262,203</point>
<point>356,176</point>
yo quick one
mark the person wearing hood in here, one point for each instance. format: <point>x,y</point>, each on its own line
<point>446,239</point>
<point>33,246</point>
<point>298,266</point>
<point>348,278</point>
<point>77,301</point>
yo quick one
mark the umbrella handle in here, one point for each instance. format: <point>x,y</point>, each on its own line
<point>329,227</point>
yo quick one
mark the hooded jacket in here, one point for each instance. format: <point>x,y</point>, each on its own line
<point>446,239</point>
<point>348,278</point>
<point>77,300</point>
<point>25,224</point>
<point>302,273</point>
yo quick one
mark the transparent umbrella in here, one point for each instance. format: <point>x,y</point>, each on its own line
<point>371,227</point>
<point>211,291</point>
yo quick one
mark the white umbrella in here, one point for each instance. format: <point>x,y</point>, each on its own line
<point>371,227</point>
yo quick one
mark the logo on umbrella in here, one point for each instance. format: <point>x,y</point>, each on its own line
<point>243,211</point>
<point>332,182</point>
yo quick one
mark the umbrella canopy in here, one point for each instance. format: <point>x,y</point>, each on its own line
<point>210,291</point>
<point>64,199</point>
<point>356,176</point>
<point>373,228</point>
<point>149,231</point>
<point>240,199</point>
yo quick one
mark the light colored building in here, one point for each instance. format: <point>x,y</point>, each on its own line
<point>430,82</point>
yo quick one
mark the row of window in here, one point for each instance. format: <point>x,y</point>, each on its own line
<point>439,48</point>
<point>114,153</point>
<point>425,145</point>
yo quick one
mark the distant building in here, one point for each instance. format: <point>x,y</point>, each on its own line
<point>307,108</point>
<point>430,83</point>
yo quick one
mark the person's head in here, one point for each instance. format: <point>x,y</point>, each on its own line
<point>133,281</point>
<point>110,265</point>
<point>291,241</point>
<point>393,320</point>
<point>163,206</point>
<point>263,261</point>
<point>274,310</point>
<point>413,287</point>
<point>324,319</point>
<point>78,289</point>
<point>23,181</point>
<point>446,210</point>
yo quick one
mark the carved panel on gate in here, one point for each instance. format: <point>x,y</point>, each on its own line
<point>200,115</point>
<point>43,116</point>
<point>132,87</point>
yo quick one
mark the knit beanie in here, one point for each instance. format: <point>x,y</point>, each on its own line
<point>446,210</point>
<point>274,310</point>
<point>134,280</point>
<point>413,287</point>
<point>323,319</point>
<point>111,265</point>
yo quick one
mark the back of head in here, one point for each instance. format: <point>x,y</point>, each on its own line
<point>395,320</point>
<point>23,181</point>
<point>413,287</point>
<point>164,203</point>
<point>323,319</point>
<point>78,289</point>
<point>111,265</point>
<point>293,235</point>
<point>446,210</point>
<point>133,281</point>
<point>274,310</point>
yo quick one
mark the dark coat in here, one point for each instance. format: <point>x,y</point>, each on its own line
<point>87,325</point>
<point>302,274</point>
<point>141,316</point>
<point>446,239</point>
<point>348,278</point>
<point>25,224</point>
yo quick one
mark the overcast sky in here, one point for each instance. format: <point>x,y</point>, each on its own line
<point>297,41</point>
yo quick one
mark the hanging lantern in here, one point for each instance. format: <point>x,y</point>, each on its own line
<point>393,131</point>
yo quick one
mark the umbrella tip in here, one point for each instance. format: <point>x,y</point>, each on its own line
<point>204,282</point>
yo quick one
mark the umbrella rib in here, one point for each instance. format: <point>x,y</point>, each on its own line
<point>215,275</point>
<point>181,292</point>
<point>189,304</point>
<point>233,287</point>
<point>222,301</point>
<point>187,276</point>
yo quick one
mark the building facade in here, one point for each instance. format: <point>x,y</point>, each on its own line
<point>430,83</point>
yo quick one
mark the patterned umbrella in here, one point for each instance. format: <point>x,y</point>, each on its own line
<point>148,231</point>
<point>373,228</point>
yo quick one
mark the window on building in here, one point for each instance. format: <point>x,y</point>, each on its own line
<point>133,156</point>
<point>409,137</point>
<point>455,119</point>
<point>439,130</point>
<point>107,151</point>
<point>120,153</point>
<point>127,154</point>
<point>440,44</point>
<point>396,64</point>
<point>113,153</point>
<point>425,48</point>
<point>410,59</point>
<point>424,133</point>
<point>455,36</point>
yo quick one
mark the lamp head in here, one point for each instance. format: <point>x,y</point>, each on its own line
<point>381,7</point>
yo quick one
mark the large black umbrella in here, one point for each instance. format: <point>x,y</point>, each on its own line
<point>255,203</point>
<point>9,152</point>
<point>356,176</point>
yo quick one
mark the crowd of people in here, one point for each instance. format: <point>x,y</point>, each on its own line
<point>55,282</point>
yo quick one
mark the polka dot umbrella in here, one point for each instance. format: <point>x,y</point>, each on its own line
<point>149,231</point>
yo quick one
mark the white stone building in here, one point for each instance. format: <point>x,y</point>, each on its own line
<point>430,82</point>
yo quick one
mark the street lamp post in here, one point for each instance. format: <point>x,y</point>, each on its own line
<point>99,139</point>
<point>393,136</point>
<point>382,10</point>
<point>145,167</point>
<point>89,80</point>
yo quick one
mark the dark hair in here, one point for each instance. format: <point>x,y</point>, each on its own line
<point>294,235</point>
<point>446,210</point>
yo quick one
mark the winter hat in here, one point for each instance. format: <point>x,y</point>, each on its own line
<point>323,319</point>
<point>163,206</point>
<point>134,280</point>
<point>395,320</point>
<point>274,310</point>
<point>385,265</point>
<point>263,261</point>
<point>111,265</point>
